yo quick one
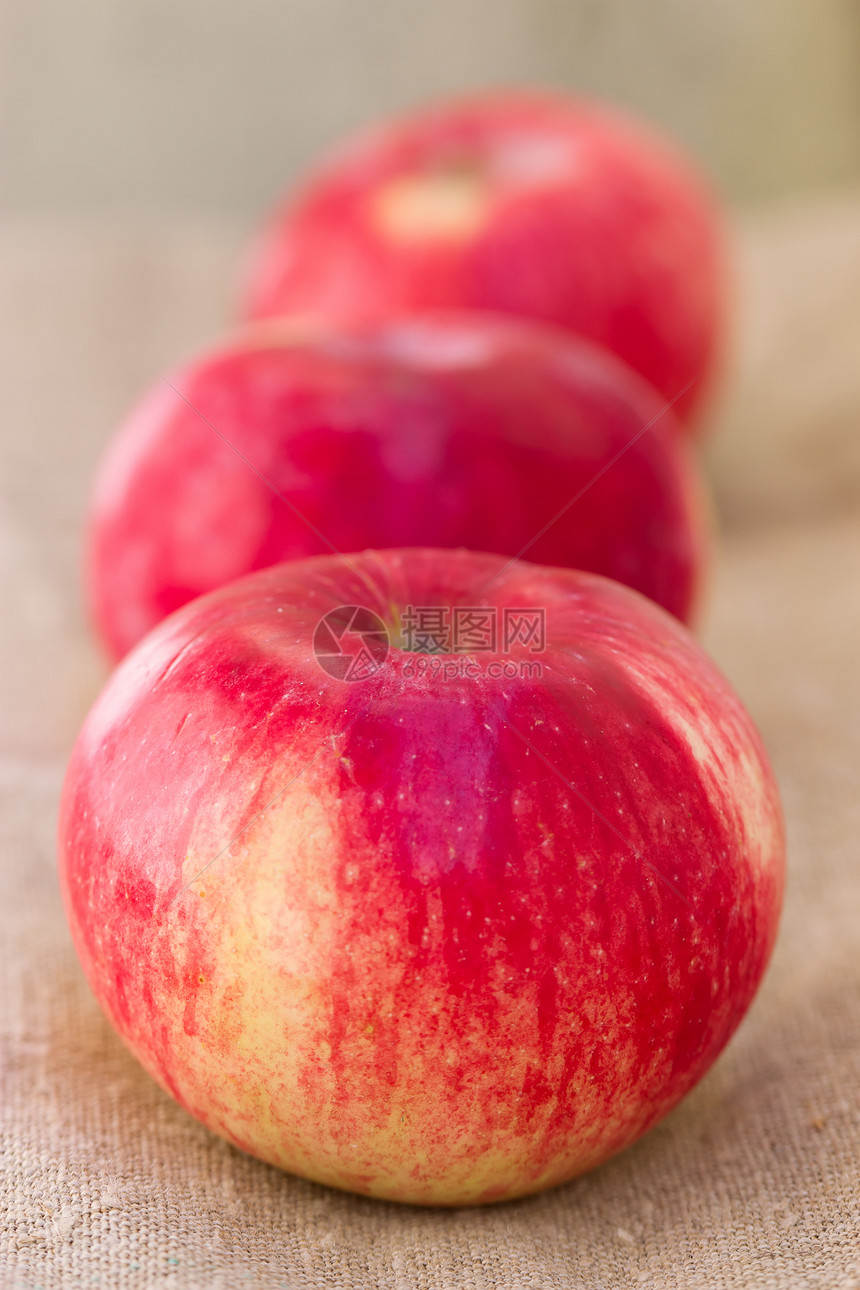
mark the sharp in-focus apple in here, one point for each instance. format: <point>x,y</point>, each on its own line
<point>449,934</point>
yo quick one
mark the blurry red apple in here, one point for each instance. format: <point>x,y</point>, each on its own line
<point>552,207</point>
<point>457,431</point>
<point>437,936</point>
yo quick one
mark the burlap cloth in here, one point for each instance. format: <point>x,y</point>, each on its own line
<point>755,1179</point>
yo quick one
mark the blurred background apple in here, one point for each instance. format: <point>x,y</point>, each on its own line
<point>448,430</point>
<point>548,206</point>
<point>142,143</point>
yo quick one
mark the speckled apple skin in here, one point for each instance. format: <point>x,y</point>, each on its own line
<point>492,434</point>
<point>552,207</point>
<point>445,943</point>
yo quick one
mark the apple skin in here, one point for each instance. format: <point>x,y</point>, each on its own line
<point>450,431</point>
<point>440,942</point>
<point>543,205</point>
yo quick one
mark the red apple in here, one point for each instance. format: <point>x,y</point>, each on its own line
<point>450,934</point>
<point>552,207</point>
<point>489,433</point>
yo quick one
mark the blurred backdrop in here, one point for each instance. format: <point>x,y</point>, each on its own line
<point>193,105</point>
<point>141,141</point>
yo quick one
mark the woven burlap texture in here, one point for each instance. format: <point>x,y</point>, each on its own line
<point>755,1180</point>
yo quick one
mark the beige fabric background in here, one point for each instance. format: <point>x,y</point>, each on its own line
<point>209,105</point>
<point>755,1180</point>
